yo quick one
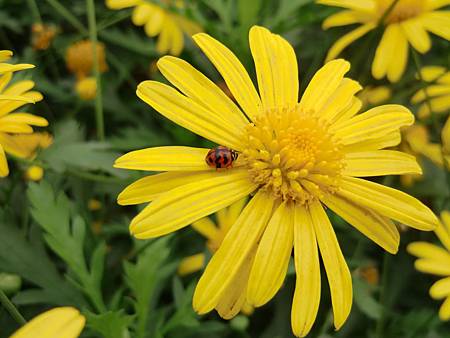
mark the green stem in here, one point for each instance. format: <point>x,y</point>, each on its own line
<point>68,16</point>
<point>35,10</point>
<point>434,120</point>
<point>11,308</point>
<point>383,288</point>
<point>98,97</point>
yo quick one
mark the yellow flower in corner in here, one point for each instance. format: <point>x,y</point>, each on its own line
<point>436,94</point>
<point>160,21</point>
<point>407,23</point>
<point>446,143</point>
<point>61,322</point>
<point>14,123</point>
<point>294,158</point>
<point>435,260</point>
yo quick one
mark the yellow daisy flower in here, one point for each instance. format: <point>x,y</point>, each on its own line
<point>60,322</point>
<point>86,88</point>
<point>13,123</point>
<point>294,158</point>
<point>80,58</point>
<point>437,91</point>
<point>416,142</point>
<point>408,23</point>
<point>215,235</point>
<point>42,35</point>
<point>159,21</point>
<point>435,260</point>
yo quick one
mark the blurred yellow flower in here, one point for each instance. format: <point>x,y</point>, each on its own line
<point>94,204</point>
<point>294,158</point>
<point>371,96</point>
<point>158,20</point>
<point>13,123</point>
<point>42,35</point>
<point>370,274</point>
<point>60,322</point>
<point>86,88</point>
<point>416,141</point>
<point>435,260</point>
<point>436,94</point>
<point>446,143</point>
<point>34,173</point>
<point>408,22</point>
<point>80,59</point>
<point>32,143</point>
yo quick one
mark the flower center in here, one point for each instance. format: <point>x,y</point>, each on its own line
<point>293,155</point>
<point>403,9</point>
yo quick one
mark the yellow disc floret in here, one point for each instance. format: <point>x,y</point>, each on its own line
<point>293,155</point>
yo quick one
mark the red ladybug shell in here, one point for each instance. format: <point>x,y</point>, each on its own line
<point>221,157</point>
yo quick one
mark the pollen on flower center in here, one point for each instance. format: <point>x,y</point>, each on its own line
<point>293,155</point>
<point>403,9</point>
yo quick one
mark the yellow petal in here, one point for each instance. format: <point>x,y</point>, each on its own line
<point>272,257</point>
<point>343,18</point>
<point>323,85</point>
<point>176,37</point>
<point>7,106</point>
<point>389,202</point>
<point>6,67</point>
<point>141,13</point>
<point>357,5</point>
<point>233,72</point>
<point>386,51</point>
<point>380,163</point>
<point>164,42</point>
<point>443,230</point>
<point>233,253</point>
<point>379,229</point>
<point>151,187</point>
<point>444,311</point>
<point>389,140</point>
<point>19,87</point>
<point>438,105</point>
<point>231,215</point>
<point>416,34</point>
<point>435,4</point>
<point>349,112</point>
<point>276,68</point>
<point>170,158</point>
<point>373,124</point>
<point>26,118</point>
<point>16,98</point>
<point>399,59</point>
<point>234,296</point>
<point>4,170</point>
<point>183,205</point>
<point>206,228</point>
<point>341,100</point>
<point>431,73</point>
<point>338,274</point>
<point>120,4</point>
<point>189,114</point>
<point>16,128</point>
<point>307,285</point>
<point>440,289</point>
<point>153,27</point>
<point>191,264</point>
<point>431,91</point>
<point>62,322</point>
<point>429,251</point>
<point>437,22</point>
<point>203,91</point>
<point>348,39</point>
<point>432,266</point>
<point>13,145</point>
<point>5,55</point>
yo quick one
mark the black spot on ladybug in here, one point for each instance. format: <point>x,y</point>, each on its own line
<point>221,157</point>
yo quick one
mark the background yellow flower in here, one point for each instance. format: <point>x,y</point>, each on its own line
<point>435,260</point>
<point>158,20</point>
<point>407,23</point>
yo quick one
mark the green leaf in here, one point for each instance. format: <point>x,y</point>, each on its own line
<point>111,324</point>
<point>69,152</point>
<point>364,299</point>
<point>65,235</point>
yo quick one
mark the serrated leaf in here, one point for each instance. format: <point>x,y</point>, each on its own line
<point>112,324</point>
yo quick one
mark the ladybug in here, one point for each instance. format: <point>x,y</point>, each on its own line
<point>221,157</point>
